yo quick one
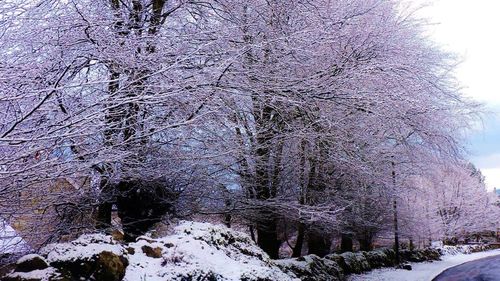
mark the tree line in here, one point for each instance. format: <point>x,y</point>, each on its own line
<point>303,120</point>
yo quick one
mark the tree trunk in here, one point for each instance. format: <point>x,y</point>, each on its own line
<point>267,237</point>
<point>346,244</point>
<point>226,195</point>
<point>122,120</point>
<point>104,215</point>
<point>319,243</point>
<point>104,209</point>
<point>227,219</point>
<point>365,244</point>
<point>395,209</point>
<point>267,233</point>
<point>111,132</point>
<point>252,233</point>
<point>297,250</point>
<point>412,244</point>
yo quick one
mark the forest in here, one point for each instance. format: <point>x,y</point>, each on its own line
<point>314,126</point>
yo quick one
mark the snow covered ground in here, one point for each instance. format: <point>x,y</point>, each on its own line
<point>421,271</point>
<point>190,251</point>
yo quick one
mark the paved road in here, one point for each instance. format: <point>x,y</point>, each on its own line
<point>486,269</point>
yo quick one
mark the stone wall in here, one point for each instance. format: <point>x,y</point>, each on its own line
<point>336,266</point>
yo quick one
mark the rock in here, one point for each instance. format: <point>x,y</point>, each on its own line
<point>411,256</point>
<point>391,257</point>
<point>6,268</point>
<point>339,260</point>
<point>193,251</point>
<point>152,252</point>
<point>202,251</point>
<point>106,266</point>
<point>224,239</point>
<point>405,266</point>
<point>48,273</point>
<point>130,250</point>
<point>160,229</point>
<point>147,239</point>
<point>31,262</point>
<point>118,235</point>
<point>91,256</point>
<point>110,267</point>
<point>312,268</point>
<point>376,259</point>
<point>356,263</point>
<point>422,255</point>
<point>431,254</point>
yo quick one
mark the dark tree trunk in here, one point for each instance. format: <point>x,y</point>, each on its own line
<point>346,244</point>
<point>142,204</point>
<point>228,204</point>
<point>252,233</point>
<point>104,209</point>
<point>396,227</point>
<point>297,250</point>
<point>412,245</point>
<point>227,219</point>
<point>365,244</point>
<point>319,243</point>
<point>111,133</point>
<point>104,215</point>
<point>267,223</point>
<point>267,237</point>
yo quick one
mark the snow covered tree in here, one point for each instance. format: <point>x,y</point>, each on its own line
<point>449,202</point>
<point>103,95</point>
<point>260,110</point>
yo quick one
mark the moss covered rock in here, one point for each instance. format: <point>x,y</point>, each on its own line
<point>104,266</point>
<point>31,262</point>
<point>151,252</point>
<point>312,268</point>
<point>377,259</point>
<point>339,260</point>
<point>356,263</point>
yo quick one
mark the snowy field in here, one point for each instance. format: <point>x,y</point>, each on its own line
<point>421,271</point>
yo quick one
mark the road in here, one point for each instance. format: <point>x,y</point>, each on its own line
<point>486,269</point>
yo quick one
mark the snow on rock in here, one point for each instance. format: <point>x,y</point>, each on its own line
<point>201,251</point>
<point>90,257</point>
<point>193,251</point>
<point>47,274</point>
<point>312,268</point>
<point>380,258</point>
<point>29,258</point>
<point>462,249</point>
<point>85,247</point>
<point>31,262</point>
<point>356,262</point>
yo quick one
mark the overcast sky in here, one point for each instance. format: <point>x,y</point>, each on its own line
<point>471,28</point>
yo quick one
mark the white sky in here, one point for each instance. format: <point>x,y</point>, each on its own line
<point>471,28</point>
